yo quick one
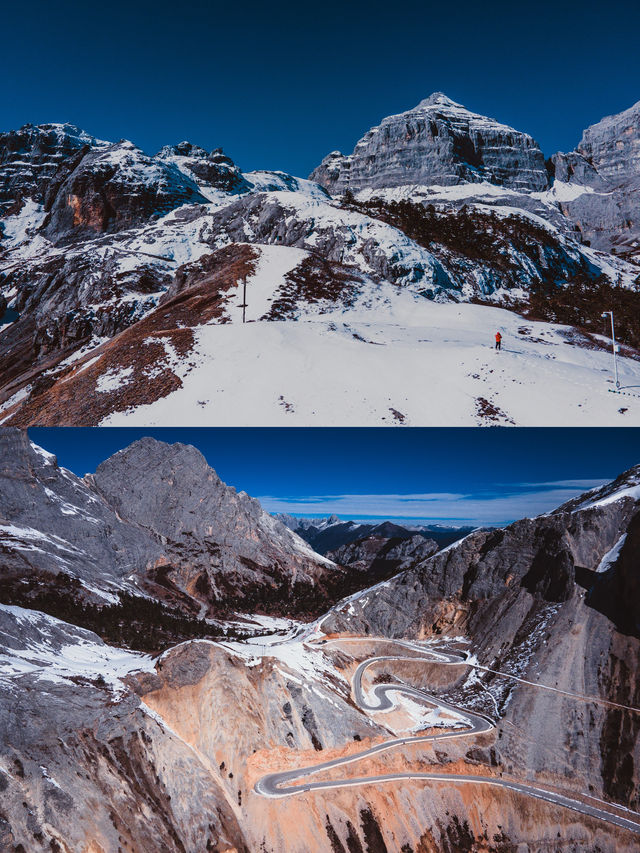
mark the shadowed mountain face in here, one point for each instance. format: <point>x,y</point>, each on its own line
<point>330,534</point>
<point>109,748</point>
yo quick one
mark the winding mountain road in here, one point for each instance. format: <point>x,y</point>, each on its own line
<point>275,785</point>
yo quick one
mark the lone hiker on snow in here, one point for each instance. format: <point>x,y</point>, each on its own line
<point>498,340</point>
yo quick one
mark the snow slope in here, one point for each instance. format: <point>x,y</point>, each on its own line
<point>39,645</point>
<point>395,358</point>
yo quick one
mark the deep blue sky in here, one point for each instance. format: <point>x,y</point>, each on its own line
<point>456,475</point>
<point>279,85</point>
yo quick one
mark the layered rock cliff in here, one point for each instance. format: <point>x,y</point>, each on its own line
<point>438,142</point>
<point>603,178</point>
<point>32,155</point>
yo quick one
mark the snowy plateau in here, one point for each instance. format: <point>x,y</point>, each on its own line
<point>177,290</point>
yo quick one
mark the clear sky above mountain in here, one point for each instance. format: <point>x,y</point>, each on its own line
<point>279,85</point>
<point>454,475</point>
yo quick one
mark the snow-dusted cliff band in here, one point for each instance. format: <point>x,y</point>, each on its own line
<point>123,295</point>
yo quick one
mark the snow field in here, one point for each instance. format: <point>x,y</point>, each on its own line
<point>392,359</point>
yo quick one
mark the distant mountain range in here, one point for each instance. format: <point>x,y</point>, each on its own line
<point>329,533</point>
<point>122,278</point>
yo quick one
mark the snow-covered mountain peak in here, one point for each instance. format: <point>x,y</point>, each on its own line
<point>62,132</point>
<point>626,485</point>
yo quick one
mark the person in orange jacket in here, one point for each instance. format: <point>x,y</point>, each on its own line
<point>498,340</point>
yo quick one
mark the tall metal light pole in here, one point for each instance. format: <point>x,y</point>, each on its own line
<point>243,304</point>
<point>614,346</point>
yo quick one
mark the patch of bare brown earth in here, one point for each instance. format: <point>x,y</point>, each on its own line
<point>140,360</point>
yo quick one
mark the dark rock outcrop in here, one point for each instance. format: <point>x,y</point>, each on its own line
<point>31,156</point>
<point>616,589</point>
<point>214,169</point>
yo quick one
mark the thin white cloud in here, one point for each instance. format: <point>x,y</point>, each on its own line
<point>499,505</point>
<point>584,485</point>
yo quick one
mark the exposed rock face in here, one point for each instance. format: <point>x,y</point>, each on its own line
<point>31,156</point>
<point>603,174</point>
<point>223,541</point>
<point>437,142</point>
<point>52,523</point>
<point>113,189</point>
<point>213,169</point>
<point>616,589</point>
<point>102,748</point>
<point>612,146</point>
<point>84,764</point>
<point>153,518</point>
<point>532,598</point>
<point>546,556</point>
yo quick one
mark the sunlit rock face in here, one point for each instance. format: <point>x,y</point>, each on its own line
<point>112,189</point>
<point>438,142</point>
<point>154,519</point>
<point>603,174</point>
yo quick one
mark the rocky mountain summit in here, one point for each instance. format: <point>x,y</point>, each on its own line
<point>32,155</point>
<point>484,698</point>
<point>112,189</point>
<point>119,269</point>
<point>438,142</point>
<point>153,521</point>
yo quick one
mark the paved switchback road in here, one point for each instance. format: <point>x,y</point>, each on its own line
<point>276,785</point>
